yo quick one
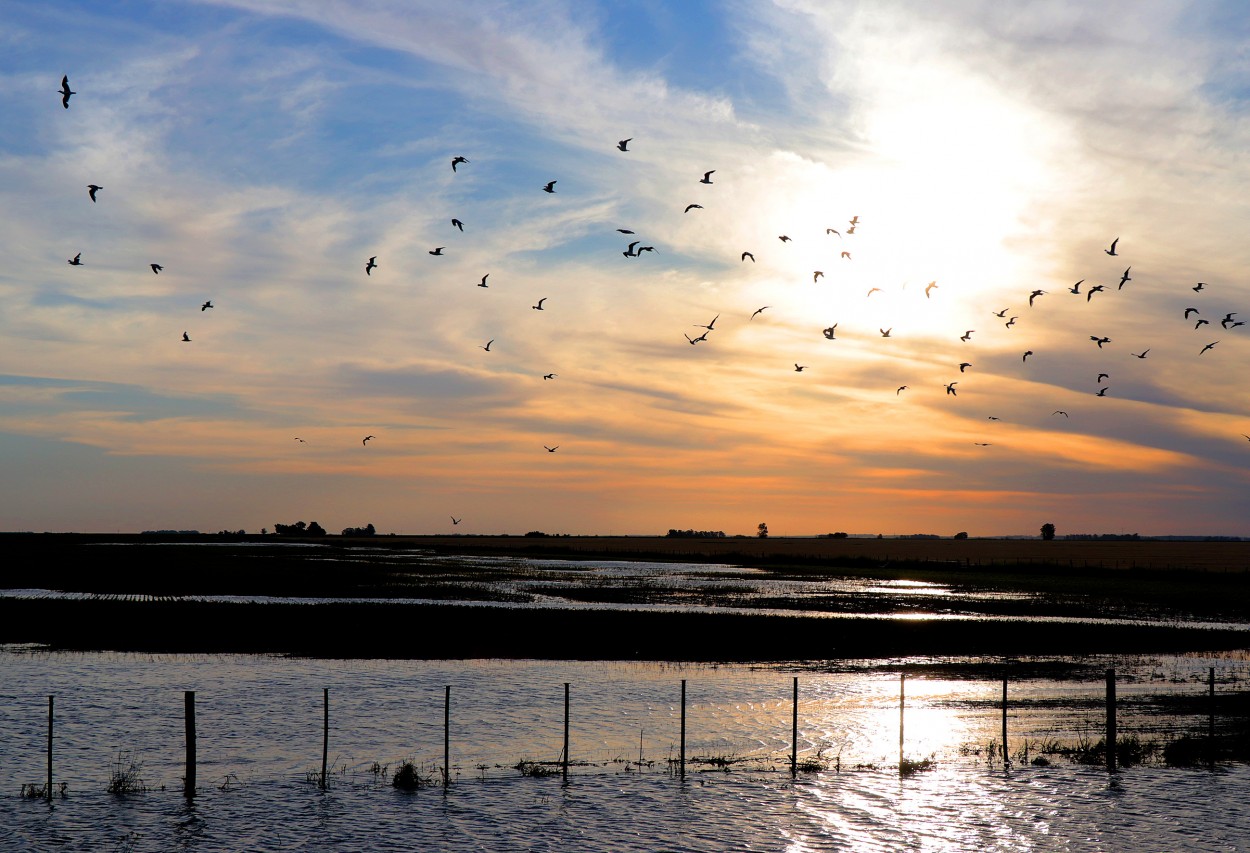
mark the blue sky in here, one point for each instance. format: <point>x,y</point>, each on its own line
<point>261,152</point>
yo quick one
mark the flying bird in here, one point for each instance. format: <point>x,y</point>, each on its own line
<point>828,333</point>
<point>371,265</point>
<point>366,439</point>
<point>1124,277</point>
<point>846,255</point>
<point>551,449</point>
<point>691,207</point>
<point>455,161</point>
<point>1076,288</point>
<point>630,253</point>
<point>992,418</point>
<point>623,145</point>
<point>900,390</point>
<point>746,255</point>
<point>1111,251</point>
<point>1090,293</point>
<point>1208,346</point>
<point>1099,341</point>
<point>488,343</point>
<point>981,443</point>
<point>851,230</point>
<point>483,283</point>
<point>964,364</point>
<point>1000,314</point>
<point>539,306</point>
<point>1199,286</point>
<point>458,224</point>
<point>783,238</point>
<point>1189,311</point>
<point>757,310</point>
<point>550,375</point>
<point>1027,353</point>
<point>799,368</point>
<point>186,337</point>
<point>624,231</point>
<point>707,177</point>
<point>549,187</point>
<point>833,231</point>
<point>1141,354</point>
<point>92,189</point>
<point>1201,323</point>
<point>1011,322</point>
<point>65,91</point>
<point>642,249</point>
<point>156,268</point>
<point>1059,412</point>
<point>967,336</point>
<point>950,388</point>
<point>854,220</point>
<point>455,520</point>
<point>929,287</point>
<point>816,275</point>
<point>709,325</point>
<point>885,333</point>
<point>873,290</point>
<point>206,305</point>
<point>693,341</point>
<point>1102,392</point>
<point>437,251</point>
<point>300,440</point>
<point>1228,318</point>
<point>1103,376</point>
<point>1034,295</point>
<point>75,261</point>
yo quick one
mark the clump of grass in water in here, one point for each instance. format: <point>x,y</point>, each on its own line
<point>908,766</point>
<point>126,777</point>
<point>538,769</point>
<point>39,792</point>
<point>409,777</point>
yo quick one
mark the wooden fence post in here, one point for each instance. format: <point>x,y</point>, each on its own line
<point>566,731</point>
<point>1111,756</point>
<point>902,681</point>
<point>794,731</point>
<point>682,753</point>
<point>188,713</point>
<point>47,791</point>
<point>1211,717</point>
<point>1006,754</point>
<point>446,736</point>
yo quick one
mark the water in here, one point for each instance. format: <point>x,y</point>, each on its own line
<point>259,727</point>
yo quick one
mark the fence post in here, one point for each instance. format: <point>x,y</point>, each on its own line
<point>325,733</point>
<point>1006,754</point>
<point>446,736</point>
<point>188,713</point>
<point>1211,717</point>
<point>47,791</point>
<point>682,754</point>
<point>1111,757</point>
<point>902,681</point>
<point>794,731</point>
<point>566,731</point>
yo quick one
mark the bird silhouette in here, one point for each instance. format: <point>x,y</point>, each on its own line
<point>371,265</point>
<point>1198,287</point>
<point>829,332</point>
<point>549,187</point>
<point>992,418</point>
<point>846,255</point>
<point>455,520</point>
<point>366,439</point>
<point>1228,318</point>
<point>1011,322</point>
<point>872,290</point>
<point>551,449</point>
<point>1124,277</point>
<point>206,305</point>
<point>833,231</point>
<point>437,251</point>
<point>642,249</point>
<point>709,325</point>
<point>1208,346</point>
<point>624,231</point>
<point>1201,323</point>
<point>539,306</point>
<point>550,375</point>
<point>1103,376</point>
<point>1089,294</point>
<point>1102,392</point>
<point>1034,295</point>
<point>746,255</point>
<point>817,275</point>
<point>455,161</point>
<point>981,443</point>
<point>623,145</point>
<point>1076,288</point>
<point>929,287</point>
<point>851,230</point>
<point>1000,314</point>
<point>967,336</point>
<point>900,390</point>
<point>1027,353</point>
<point>1189,311</point>
<point>758,310</point>
<point>799,368</point>
<point>964,364</point>
<point>1141,354</point>
<point>488,343</point>
<point>1060,412</point>
<point>630,253</point>
<point>854,220</point>
<point>707,177</point>
<point>65,91</point>
<point>1111,251</point>
<point>92,189</point>
<point>691,207</point>
<point>483,283</point>
<point>186,337</point>
<point>885,333</point>
<point>950,388</point>
<point>156,268</point>
<point>458,224</point>
<point>75,261</point>
<point>693,341</point>
<point>300,440</point>
<point>783,238</point>
<point>1099,341</point>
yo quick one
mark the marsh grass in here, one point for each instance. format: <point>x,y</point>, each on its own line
<point>410,777</point>
<point>127,776</point>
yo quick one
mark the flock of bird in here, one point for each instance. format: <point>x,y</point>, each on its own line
<point>636,249</point>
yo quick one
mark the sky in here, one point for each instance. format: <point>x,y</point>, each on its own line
<point>935,163</point>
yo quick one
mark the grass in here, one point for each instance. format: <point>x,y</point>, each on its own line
<point>127,777</point>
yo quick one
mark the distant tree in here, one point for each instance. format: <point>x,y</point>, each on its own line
<point>1048,531</point>
<point>296,529</point>
<point>315,529</point>
<point>367,530</point>
<point>841,534</point>
<point>763,531</point>
<point>535,533</point>
<point>264,531</point>
<point>963,534</point>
